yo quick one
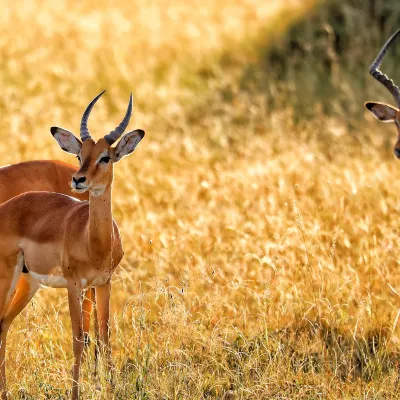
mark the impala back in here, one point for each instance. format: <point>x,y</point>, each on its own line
<point>49,176</point>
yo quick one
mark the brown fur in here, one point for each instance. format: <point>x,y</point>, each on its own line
<point>55,219</point>
<point>52,176</point>
<point>43,175</point>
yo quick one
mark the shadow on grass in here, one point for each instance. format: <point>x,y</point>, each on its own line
<point>321,64</point>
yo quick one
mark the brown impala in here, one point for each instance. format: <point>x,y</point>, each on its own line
<point>65,243</point>
<point>44,175</point>
<point>384,112</point>
<point>49,176</point>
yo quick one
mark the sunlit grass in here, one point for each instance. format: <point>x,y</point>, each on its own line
<point>260,255</point>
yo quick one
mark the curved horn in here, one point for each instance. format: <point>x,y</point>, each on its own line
<point>119,130</point>
<point>84,129</point>
<point>382,78</point>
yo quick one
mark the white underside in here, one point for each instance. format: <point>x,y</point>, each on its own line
<point>57,281</point>
<point>54,281</point>
<point>99,281</point>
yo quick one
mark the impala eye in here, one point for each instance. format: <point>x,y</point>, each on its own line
<point>105,159</point>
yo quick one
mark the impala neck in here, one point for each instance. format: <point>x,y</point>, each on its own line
<point>100,223</point>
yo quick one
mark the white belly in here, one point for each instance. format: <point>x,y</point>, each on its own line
<point>54,281</point>
<point>98,281</point>
<point>58,281</point>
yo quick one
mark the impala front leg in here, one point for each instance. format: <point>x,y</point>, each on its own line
<point>103,293</point>
<point>75,310</point>
<point>87,309</point>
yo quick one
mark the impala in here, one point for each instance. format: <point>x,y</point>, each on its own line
<point>50,176</point>
<point>384,112</point>
<point>52,239</point>
<point>45,175</point>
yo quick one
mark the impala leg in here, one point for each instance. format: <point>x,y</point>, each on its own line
<point>5,284</point>
<point>87,309</point>
<point>103,293</point>
<point>25,289</point>
<point>96,333</point>
<point>3,342</point>
<point>75,311</point>
<point>8,282</point>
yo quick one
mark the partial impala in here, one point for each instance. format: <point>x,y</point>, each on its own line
<point>49,176</point>
<point>62,242</point>
<point>384,112</point>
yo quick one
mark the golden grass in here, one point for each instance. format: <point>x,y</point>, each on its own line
<point>260,256</point>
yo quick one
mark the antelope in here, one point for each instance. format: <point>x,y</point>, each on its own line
<point>381,111</point>
<point>52,239</point>
<point>42,175</point>
<point>52,176</point>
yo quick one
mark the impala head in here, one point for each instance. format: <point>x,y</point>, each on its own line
<point>97,158</point>
<point>384,112</point>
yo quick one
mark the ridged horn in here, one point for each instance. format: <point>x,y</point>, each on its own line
<point>119,130</point>
<point>84,129</point>
<point>381,77</point>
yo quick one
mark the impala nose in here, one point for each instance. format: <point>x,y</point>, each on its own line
<point>397,152</point>
<point>79,180</point>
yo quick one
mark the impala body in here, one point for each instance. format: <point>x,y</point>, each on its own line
<point>44,175</point>
<point>52,239</point>
<point>45,228</point>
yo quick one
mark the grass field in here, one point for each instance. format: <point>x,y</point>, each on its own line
<point>261,242</point>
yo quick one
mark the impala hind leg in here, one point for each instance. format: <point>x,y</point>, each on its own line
<point>25,289</point>
<point>5,285</point>
<point>8,281</point>
<point>88,306</point>
<point>15,293</point>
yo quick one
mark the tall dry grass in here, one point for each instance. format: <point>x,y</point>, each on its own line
<point>260,249</point>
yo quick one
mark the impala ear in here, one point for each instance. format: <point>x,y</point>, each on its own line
<point>67,140</point>
<point>382,112</point>
<point>127,144</point>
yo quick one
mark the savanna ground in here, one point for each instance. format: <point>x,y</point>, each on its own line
<point>260,215</point>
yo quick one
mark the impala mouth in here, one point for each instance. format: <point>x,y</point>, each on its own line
<point>79,188</point>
